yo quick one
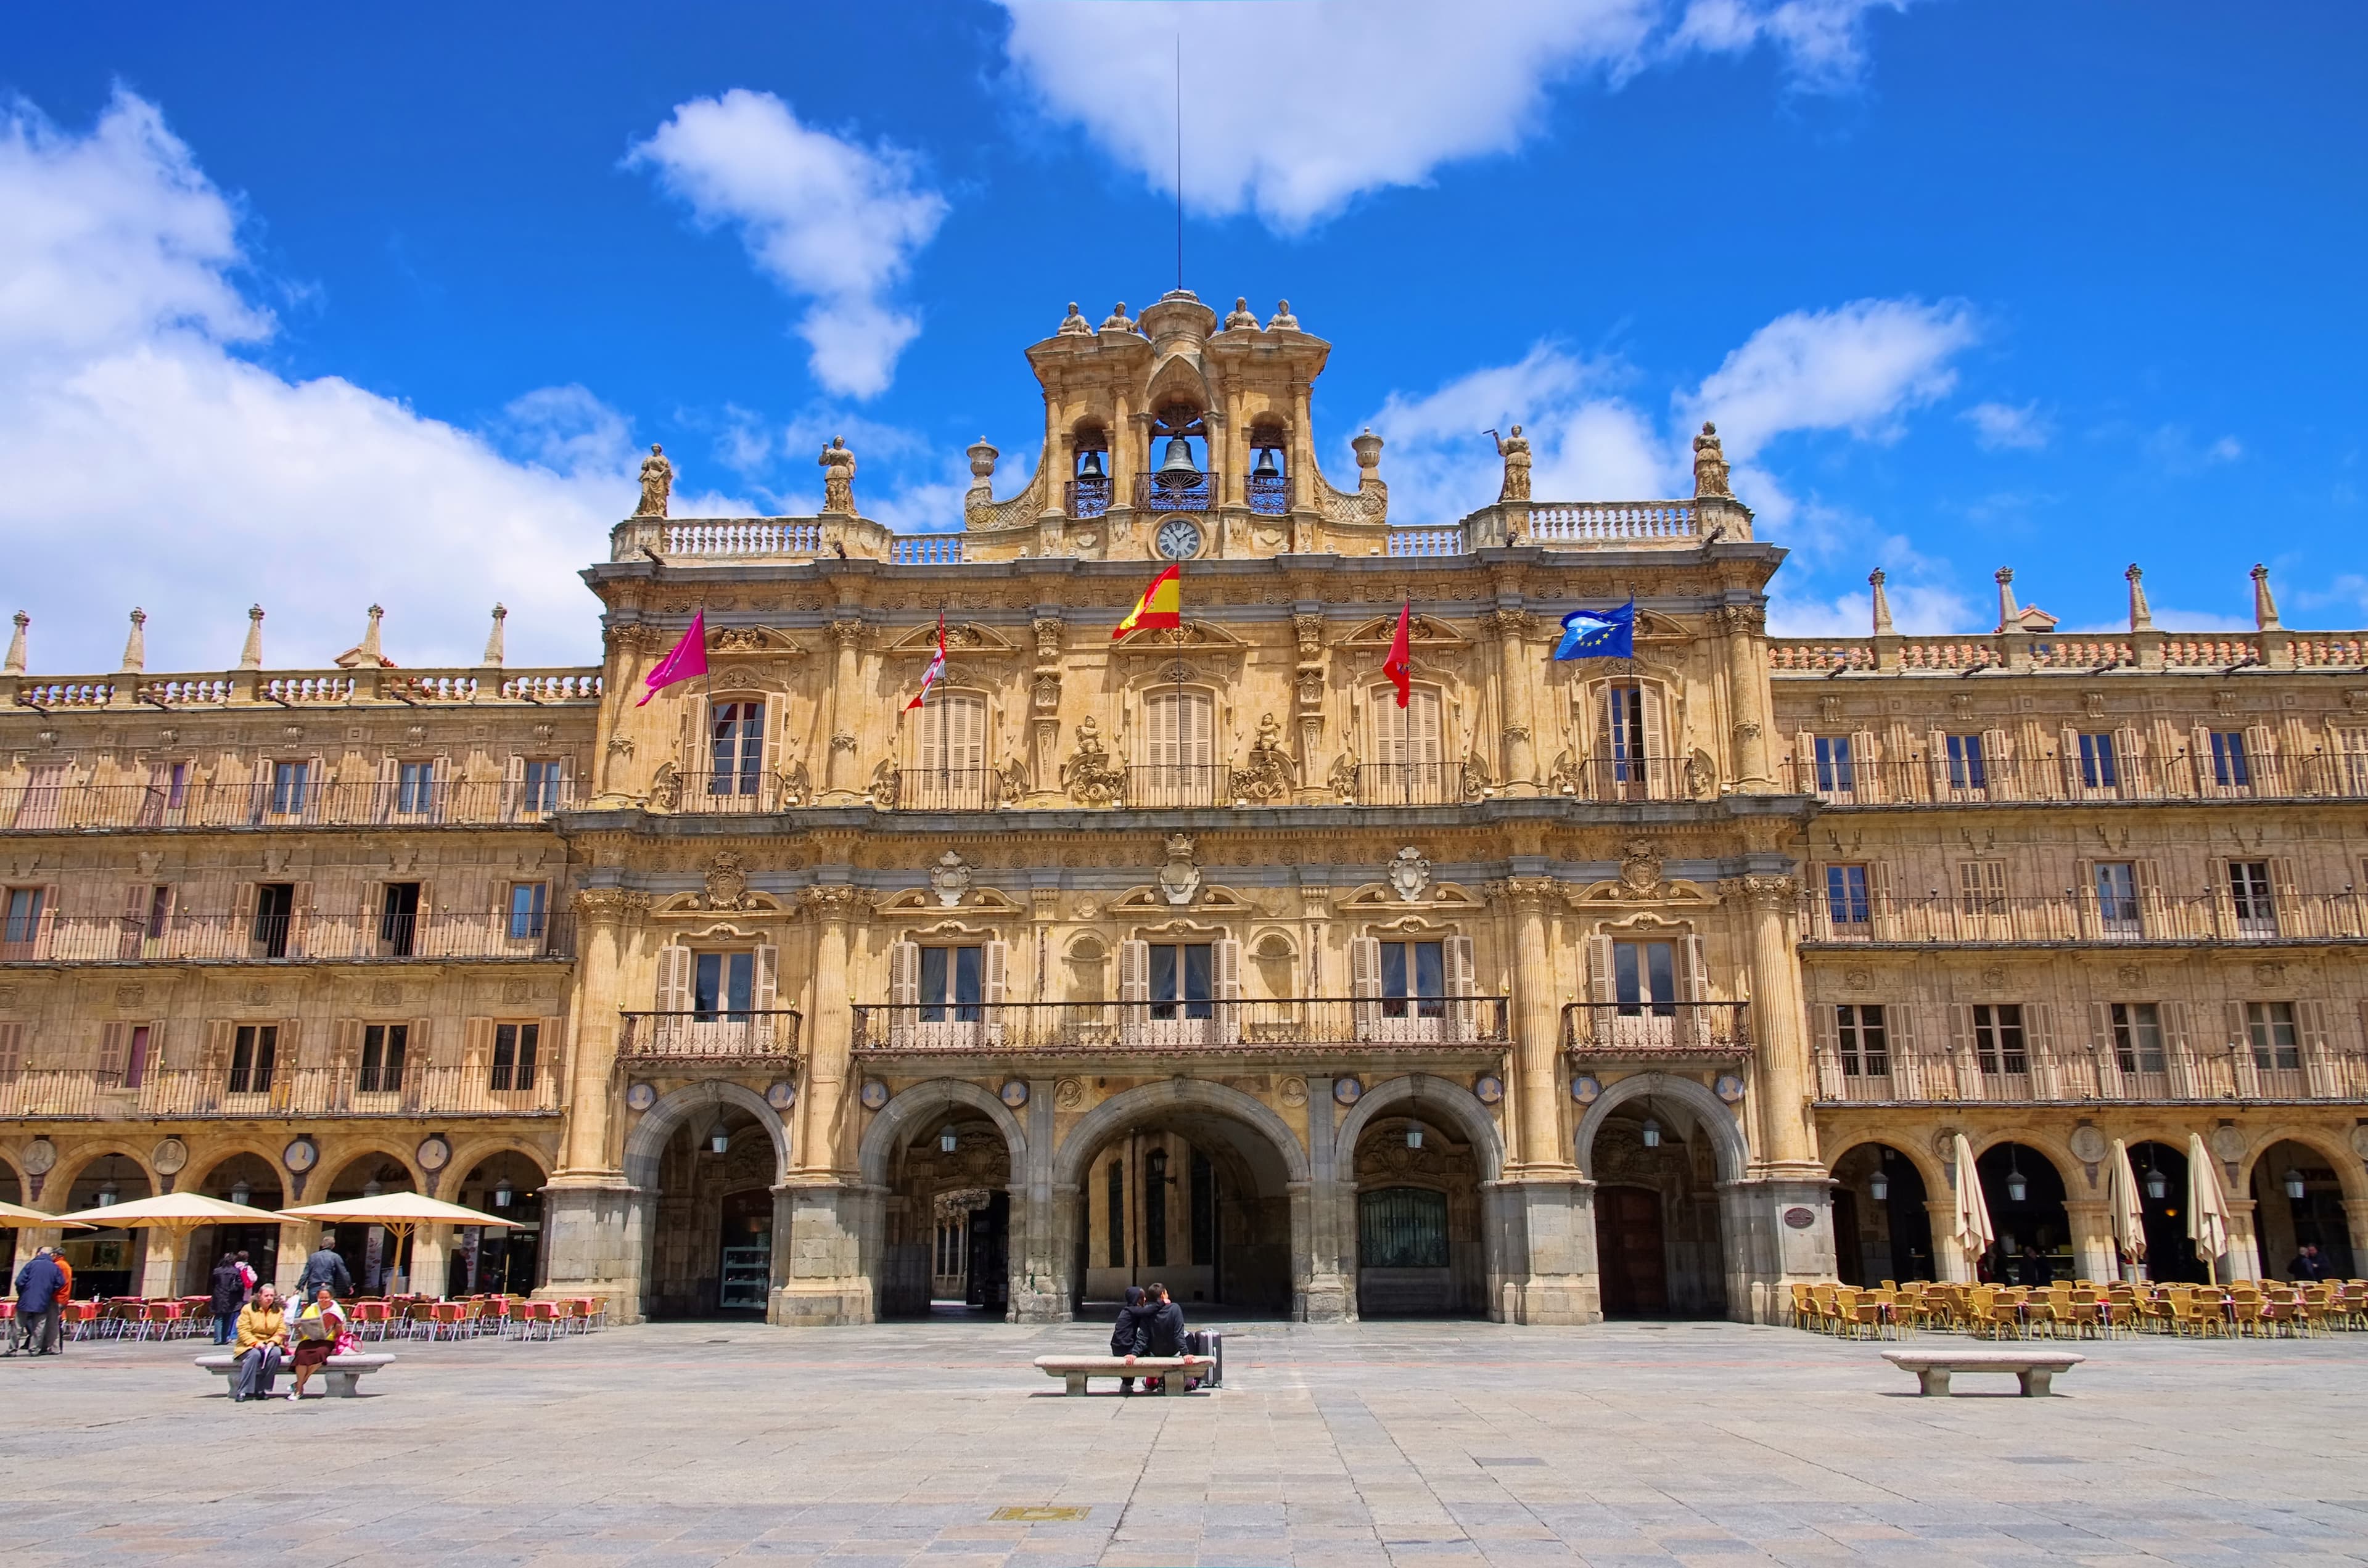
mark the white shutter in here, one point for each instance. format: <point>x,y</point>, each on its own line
<point>1996,769</point>
<point>1463,980</point>
<point>1697,980</point>
<point>1600,969</point>
<point>1425,738</point>
<point>1134,971</point>
<point>1365,984</point>
<point>765,985</point>
<point>903,976</point>
<point>1804,763</point>
<point>513,788</point>
<point>2199,761</point>
<point>1936,765</point>
<point>1660,769</point>
<point>2262,761</point>
<point>674,980</point>
<point>298,919</point>
<point>995,971</point>
<point>1867,783</point>
<point>390,780</point>
<point>1968,1065</point>
<point>1226,966</point>
<point>2125,758</point>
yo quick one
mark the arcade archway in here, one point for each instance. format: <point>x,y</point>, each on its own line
<point>2298,1202</point>
<point>246,1177</point>
<point>108,1261</point>
<point>1658,1146</point>
<point>485,1258</point>
<point>375,1257</point>
<point>2025,1194</point>
<point>1881,1228</point>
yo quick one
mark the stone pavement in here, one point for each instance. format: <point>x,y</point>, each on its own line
<point>1362,1445</point>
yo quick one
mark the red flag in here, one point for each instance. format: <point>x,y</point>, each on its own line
<point>1399,665</point>
<point>936,667</point>
<point>1162,605</point>
<point>684,660</point>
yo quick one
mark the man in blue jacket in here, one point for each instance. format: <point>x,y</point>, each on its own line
<point>36,1297</point>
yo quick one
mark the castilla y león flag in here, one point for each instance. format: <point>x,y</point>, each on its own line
<point>684,660</point>
<point>1399,665</point>
<point>1162,605</point>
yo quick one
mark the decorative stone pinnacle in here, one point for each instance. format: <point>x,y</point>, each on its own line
<point>2140,614</point>
<point>2006,612</point>
<point>135,645</point>
<point>2265,609</point>
<point>494,649</point>
<point>981,458</point>
<point>16,662</point>
<point>251,656</point>
<point>1881,603</point>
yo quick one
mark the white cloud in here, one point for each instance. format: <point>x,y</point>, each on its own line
<point>829,220</point>
<point>149,465</point>
<point>1857,368</point>
<point>1290,111</point>
<point>2000,427</point>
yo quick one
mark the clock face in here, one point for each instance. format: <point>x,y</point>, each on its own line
<point>1178,540</point>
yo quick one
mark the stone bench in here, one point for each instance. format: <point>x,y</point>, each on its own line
<point>343,1372</point>
<point>2035,1368</point>
<point>1171,1370</point>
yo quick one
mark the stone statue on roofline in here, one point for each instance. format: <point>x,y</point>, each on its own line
<point>657,483</point>
<point>838,477</point>
<point>1515,450</point>
<point>1710,464</point>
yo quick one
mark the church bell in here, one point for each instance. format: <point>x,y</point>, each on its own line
<point>1266,467</point>
<point>1177,467</point>
<point>1091,467</point>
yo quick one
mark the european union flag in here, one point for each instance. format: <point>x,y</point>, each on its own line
<point>1598,633</point>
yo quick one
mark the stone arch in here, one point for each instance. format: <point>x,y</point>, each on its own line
<point>1411,1095</point>
<point>336,1157</point>
<point>2057,1148</point>
<point>647,1141</point>
<point>895,1122</point>
<point>1111,1117</point>
<point>2349,1169</point>
<point>1726,1138</point>
<point>70,1167</point>
<point>194,1176</point>
<point>1916,1152</point>
<point>467,1156</point>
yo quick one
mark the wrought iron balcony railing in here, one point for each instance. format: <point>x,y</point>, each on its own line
<point>1175,785</point>
<point>2150,918</point>
<point>186,937</point>
<point>1085,498</point>
<point>53,808</point>
<point>1157,492</point>
<point>2097,778</point>
<point>1412,784</point>
<point>768,1036</point>
<point>1614,781</point>
<point>414,1088</point>
<point>945,789</point>
<point>1657,1031</point>
<point>1268,494</point>
<point>2077,1076</point>
<point>1475,1025</point>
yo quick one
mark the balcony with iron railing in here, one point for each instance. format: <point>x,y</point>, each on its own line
<point>2055,780</point>
<point>2149,919</point>
<point>1085,499</point>
<point>1412,784</point>
<point>759,1038</point>
<point>1177,785</point>
<point>414,1089</point>
<point>1702,1032</point>
<point>1473,1026</point>
<point>944,790</point>
<point>2077,1076</point>
<point>150,808</point>
<point>432,936</point>
<point>1182,491</point>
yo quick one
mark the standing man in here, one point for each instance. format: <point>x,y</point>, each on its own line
<point>2307,1263</point>
<point>324,1267</point>
<point>229,1294</point>
<point>38,1284</point>
<point>64,1298</point>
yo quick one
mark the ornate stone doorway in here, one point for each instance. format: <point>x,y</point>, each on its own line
<point>1420,1247</point>
<point>948,1217</point>
<point>1630,1250</point>
<point>1650,1148</point>
<point>711,1224</point>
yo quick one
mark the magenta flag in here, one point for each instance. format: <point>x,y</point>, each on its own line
<point>684,660</point>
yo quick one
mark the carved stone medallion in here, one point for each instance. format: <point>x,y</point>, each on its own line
<point>949,879</point>
<point>1179,878</point>
<point>1409,874</point>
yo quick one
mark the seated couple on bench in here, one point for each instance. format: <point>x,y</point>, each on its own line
<point>268,1338</point>
<point>1151,1323</point>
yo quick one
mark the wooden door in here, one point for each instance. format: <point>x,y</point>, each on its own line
<point>1628,1251</point>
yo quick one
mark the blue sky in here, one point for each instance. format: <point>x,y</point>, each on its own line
<point>298,309</point>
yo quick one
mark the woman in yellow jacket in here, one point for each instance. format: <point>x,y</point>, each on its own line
<point>262,1346</point>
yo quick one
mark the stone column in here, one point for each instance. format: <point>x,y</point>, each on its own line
<point>1948,1259</point>
<point>2356,1219</point>
<point>830,1212</point>
<point>1537,1035</point>
<point>1510,628</point>
<point>839,770</point>
<point>1328,1294</point>
<point>591,1246</point>
<point>430,1254</point>
<point>1746,690</point>
<point>2244,1261</point>
<point>161,1271</point>
<point>1038,1292</point>
<point>2093,1251</point>
<point>1779,1043</point>
<point>298,1241</point>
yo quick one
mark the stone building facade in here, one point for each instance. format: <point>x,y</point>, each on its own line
<point>1620,985</point>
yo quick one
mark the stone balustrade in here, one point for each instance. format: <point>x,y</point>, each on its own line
<point>304,688</point>
<point>2084,653</point>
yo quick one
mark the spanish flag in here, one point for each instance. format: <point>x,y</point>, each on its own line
<point>1162,604</point>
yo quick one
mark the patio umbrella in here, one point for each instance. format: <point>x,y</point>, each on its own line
<point>1973,1232</point>
<point>398,1213</point>
<point>2129,1215</point>
<point>175,1213</point>
<point>2207,1207</point>
<point>16,1217</point>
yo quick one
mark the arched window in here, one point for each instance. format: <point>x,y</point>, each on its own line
<point>1268,489</point>
<point>1408,766</point>
<point>1089,476</point>
<point>949,761</point>
<point>1179,753</point>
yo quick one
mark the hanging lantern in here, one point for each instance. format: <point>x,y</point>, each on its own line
<point>1414,1135</point>
<point>1652,1133</point>
<point>108,1195</point>
<point>1880,1187</point>
<point>372,1187</point>
<point>1267,467</point>
<point>2295,1188</point>
<point>503,1193</point>
<point>1090,466</point>
<point>946,1141</point>
<point>1177,467</point>
<point>240,1193</point>
<point>719,1138</point>
<point>2157,1188</point>
<point>2017,1189</point>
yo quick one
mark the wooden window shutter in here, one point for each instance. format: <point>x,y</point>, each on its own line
<point>513,788</point>
<point>2100,1049</point>
<point>546,1060</point>
<point>1462,973</point>
<point>765,982</point>
<point>1364,966</point>
<point>1867,779</point>
<point>390,782</point>
<point>1805,762</point>
<point>114,1047</point>
<point>1995,766</point>
<point>1936,765</point>
<point>298,917</point>
<point>1697,980</point>
<point>2179,1050</point>
<point>995,971</point>
<point>2068,761</point>
<point>2126,758</point>
<point>218,1036</point>
<point>1600,969</point>
<point>2318,1061</point>
<point>418,1048</point>
<point>1660,769</point>
<point>2199,761</point>
<point>904,973</point>
<point>476,1046</point>
<point>12,1051</point>
<point>2289,890</point>
<point>2262,761</point>
<point>1878,891</point>
<point>674,979</point>
<point>2039,1045</point>
<point>1225,971</point>
<point>1906,1060</point>
<point>1134,971</point>
<point>1961,1042</point>
<point>1426,742</point>
<point>46,923</point>
<point>1824,1035</point>
<point>2248,1076</point>
<point>349,1046</point>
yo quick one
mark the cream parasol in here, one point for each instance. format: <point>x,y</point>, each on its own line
<point>16,1216</point>
<point>1973,1232</point>
<point>398,1213</point>
<point>180,1212</point>
<point>2128,1214</point>
<point>2207,1207</point>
